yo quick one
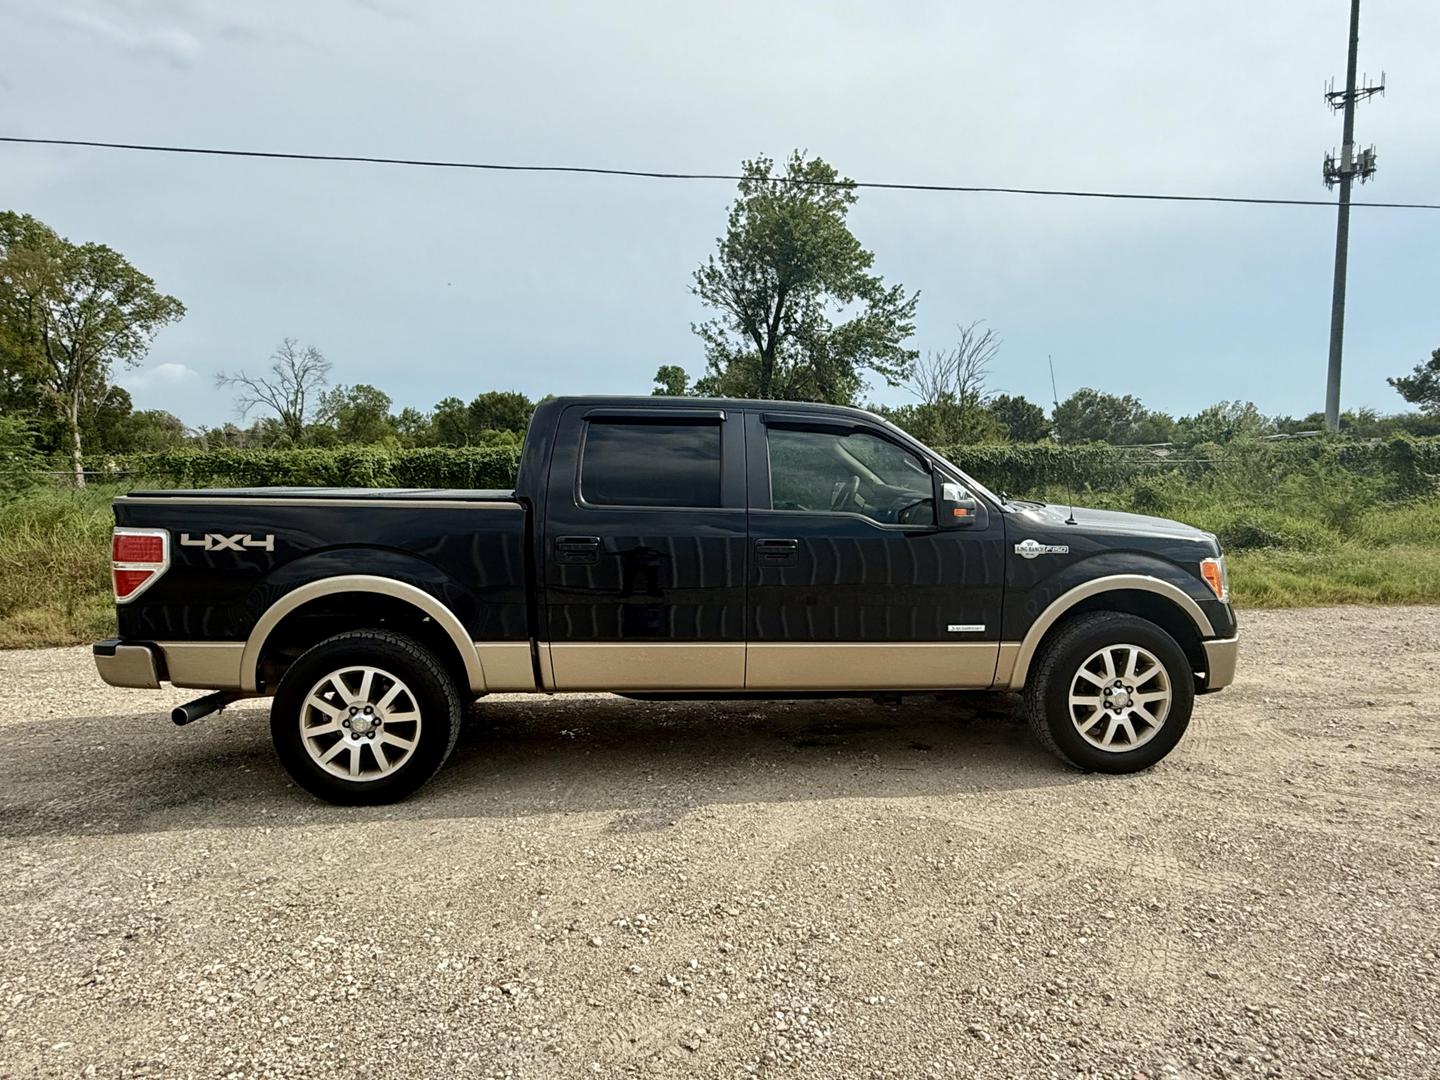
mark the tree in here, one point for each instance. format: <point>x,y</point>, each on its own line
<point>450,423</point>
<point>1223,422</point>
<point>1090,416</point>
<point>359,413</point>
<point>151,429</point>
<point>671,380</point>
<point>499,410</point>
<point>786,269</point>
<point>71,312</point>
<point>414,427</point>
<point>951,387</point>
<point>1422,387</point>
<point>1023,420</point>
<point>297,377</point>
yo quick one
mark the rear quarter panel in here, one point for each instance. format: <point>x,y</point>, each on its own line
<point>470,557</point>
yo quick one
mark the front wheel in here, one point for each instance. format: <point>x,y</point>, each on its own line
<point>365,717</point>
<point>1110,693</point>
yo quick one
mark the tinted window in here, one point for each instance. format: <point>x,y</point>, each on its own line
<point>645,464</point>
<point>856,473</point>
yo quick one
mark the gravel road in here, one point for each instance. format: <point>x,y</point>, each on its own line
<point>596,887</point>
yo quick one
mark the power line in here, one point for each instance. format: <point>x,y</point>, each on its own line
<point>657,175</point>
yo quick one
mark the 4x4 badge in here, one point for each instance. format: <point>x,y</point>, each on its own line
<point>221,542</point>
<point>1030,549</point>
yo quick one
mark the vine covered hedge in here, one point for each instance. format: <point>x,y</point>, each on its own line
<point>1405,466</point>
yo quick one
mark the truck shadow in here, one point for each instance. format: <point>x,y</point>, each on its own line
<point>649,762</point>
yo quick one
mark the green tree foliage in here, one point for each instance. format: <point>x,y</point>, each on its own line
<point>1022,420</point>
<point>358,414</point>
<point>495,417</point>
<point>1222,422</point>
<point>499,410</point>
<point>149,430</point>
<point>414,428</point>
<point>944,423</point>
<point>1091,416</point>
<point>800,315</point>
<point>1363,423</point>
<point>70,313</point>
<point>671,380</point>
<point>296,381</point>
<point>19,463</point>
<point>1422,386</point>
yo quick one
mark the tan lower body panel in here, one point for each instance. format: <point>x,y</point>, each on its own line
<point>625,665</point>
<point>129,665</point>
<point>203,665</point>
<point>870,666</point>
<point>507,665</point>
<point>1005,664</point>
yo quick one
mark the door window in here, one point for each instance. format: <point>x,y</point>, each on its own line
<point>856,473</point>
<point>650,464</point>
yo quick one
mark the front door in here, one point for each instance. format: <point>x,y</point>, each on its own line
<point>852,584</point>
<point>645,541</point>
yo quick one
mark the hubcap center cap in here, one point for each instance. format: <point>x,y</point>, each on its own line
<point>362,723</point>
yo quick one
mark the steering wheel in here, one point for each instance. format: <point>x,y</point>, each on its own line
<point>904,508</point>
<point>845,492</point>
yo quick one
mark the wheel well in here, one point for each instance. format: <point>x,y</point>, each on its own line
<point>1146,605</point>
<point>326,616</point>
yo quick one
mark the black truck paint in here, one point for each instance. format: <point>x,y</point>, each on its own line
<point>825,553</point>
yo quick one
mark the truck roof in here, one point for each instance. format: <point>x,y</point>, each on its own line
<point>665,400</point>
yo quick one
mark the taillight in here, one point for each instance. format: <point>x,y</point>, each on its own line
<point>137,559</point>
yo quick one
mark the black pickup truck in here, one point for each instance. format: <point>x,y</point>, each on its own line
<point>664,547</point>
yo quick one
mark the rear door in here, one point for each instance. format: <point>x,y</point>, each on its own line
<point>852,583</point>
<point>645,550</point>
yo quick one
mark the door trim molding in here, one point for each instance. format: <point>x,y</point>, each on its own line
<point>646,665</point>
<point>871,665</point>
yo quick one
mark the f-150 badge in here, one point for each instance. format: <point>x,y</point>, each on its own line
<point>1030,549</point>
<point>222,542</point>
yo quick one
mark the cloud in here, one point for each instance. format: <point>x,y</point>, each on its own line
<point>173,44</point>
<point>159,377</point>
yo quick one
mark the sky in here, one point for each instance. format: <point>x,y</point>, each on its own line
<point>432,283</point>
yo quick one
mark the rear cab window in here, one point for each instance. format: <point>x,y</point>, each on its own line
<point>650,463</point>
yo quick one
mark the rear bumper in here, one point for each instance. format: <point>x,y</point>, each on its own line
<point>197,665</point>
<point>120,664</point>
<point>1220,657</point>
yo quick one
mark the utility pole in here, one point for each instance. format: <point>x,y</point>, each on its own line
<point>1344,171</point>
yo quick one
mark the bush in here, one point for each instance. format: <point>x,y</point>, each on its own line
<point>19,463</point>
<point>1256,531</point>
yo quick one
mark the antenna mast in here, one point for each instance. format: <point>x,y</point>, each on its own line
<point>1343,171</point>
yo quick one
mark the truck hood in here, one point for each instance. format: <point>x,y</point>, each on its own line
<point>1113,522</point>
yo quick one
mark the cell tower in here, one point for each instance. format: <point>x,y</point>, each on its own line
<point>1345,170</point>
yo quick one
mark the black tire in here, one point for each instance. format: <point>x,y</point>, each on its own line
<point>425,680</point>
<point>1047,690</point>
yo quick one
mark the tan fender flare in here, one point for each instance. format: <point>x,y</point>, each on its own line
<point>1025,653</point>
<point>363,583</point>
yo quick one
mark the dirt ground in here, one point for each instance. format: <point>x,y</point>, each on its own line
<point>597,887</point>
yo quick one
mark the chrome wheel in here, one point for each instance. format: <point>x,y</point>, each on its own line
<point>360,723</point>
<point>1120,697</point>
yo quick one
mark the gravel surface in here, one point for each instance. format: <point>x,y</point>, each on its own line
<point>597,887</point>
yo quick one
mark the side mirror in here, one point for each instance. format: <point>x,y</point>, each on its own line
<point>957,508</point>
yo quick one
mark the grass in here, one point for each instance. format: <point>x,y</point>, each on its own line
<point>55,567</point>
<point>1300,542</point>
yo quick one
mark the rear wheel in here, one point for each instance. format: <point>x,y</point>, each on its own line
<point>1110,693</point>
<point>365,717</point>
